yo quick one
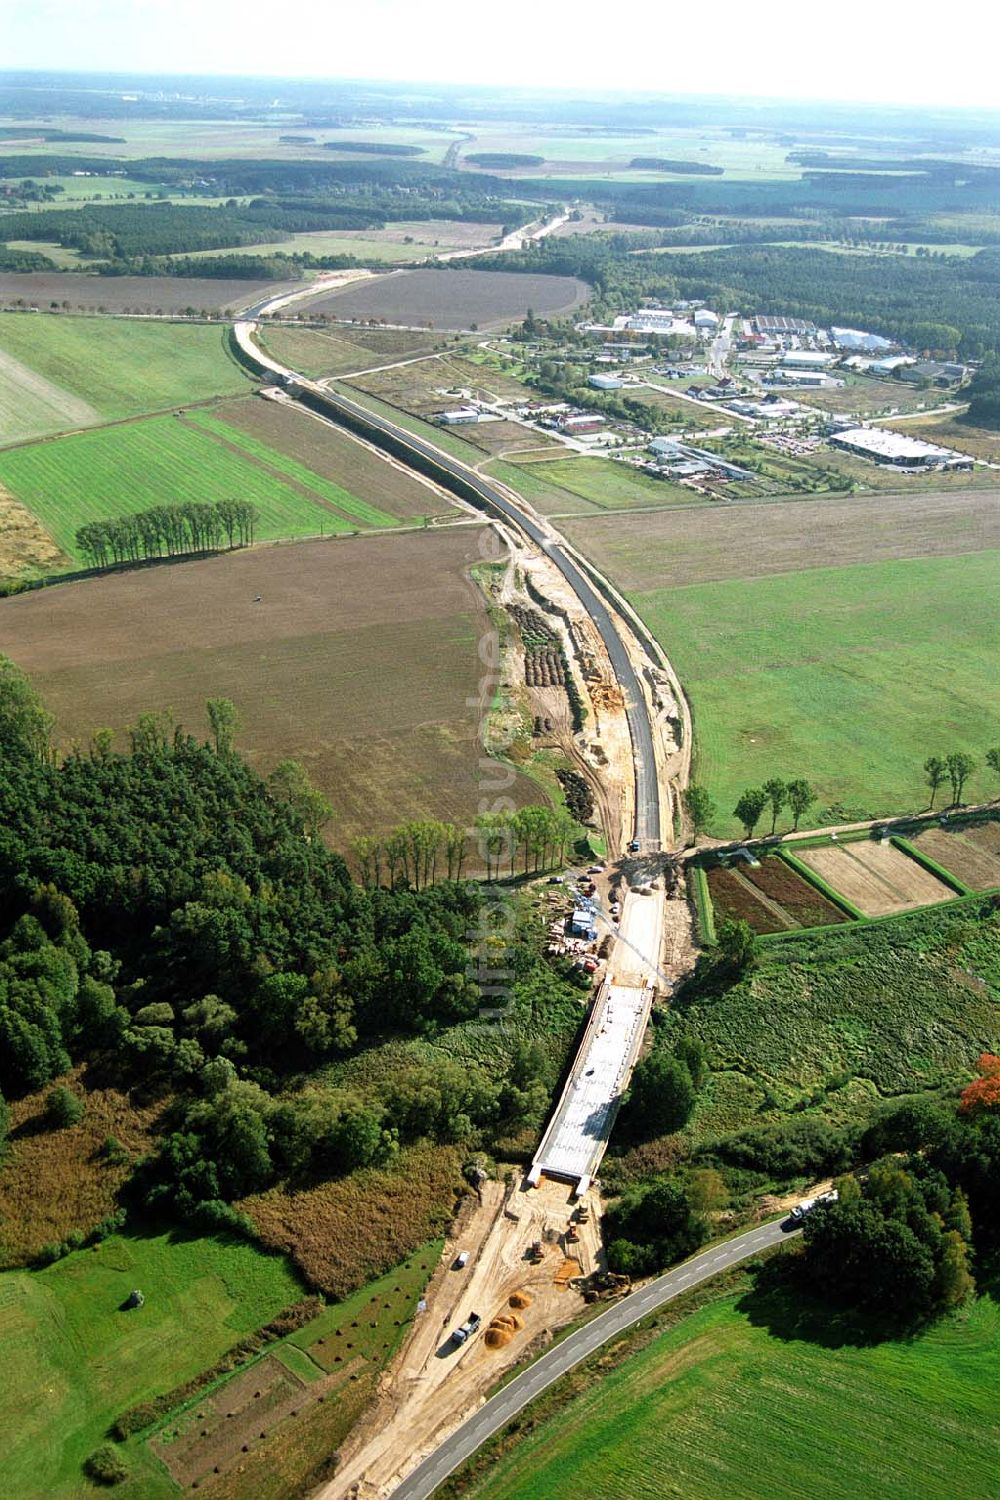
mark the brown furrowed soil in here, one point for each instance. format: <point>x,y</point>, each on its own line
<point>806,906</point>
<point>735,899</point>
<point>877,877</point>
<point>343,1233</point>
<point>974,861</point>
<point>144,294</point>
<point>455,299</point>
<point>56,1182</point>
<point>360,659</point>
<point>708,544</point>
<point>318,352</point>
<point>26,549</point>
<point>334,454</point>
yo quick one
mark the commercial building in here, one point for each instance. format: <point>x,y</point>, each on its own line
<point>705,318</point>
<point>606,382</point>
<point>893,448</point>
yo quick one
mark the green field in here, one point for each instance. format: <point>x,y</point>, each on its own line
<point>290,468</point>
<point>73,1361</point>
<point>848,676</point>
<point>119,367</point>
<point>605,484</point>
<point>115,471</point>
<point>732,1404</point>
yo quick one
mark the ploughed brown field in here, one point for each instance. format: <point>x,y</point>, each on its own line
<point>359,659</point>
<point>454,299</point>
<point>876,877</point>
<point>708,544</point>
<point>148,294</point>
<point>973,854</point>
<point>771,897</point>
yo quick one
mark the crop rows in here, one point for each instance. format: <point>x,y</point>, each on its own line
<point>333,493</point>
<point>116,471</point>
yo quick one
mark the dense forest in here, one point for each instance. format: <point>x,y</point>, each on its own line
<point>173,918</point>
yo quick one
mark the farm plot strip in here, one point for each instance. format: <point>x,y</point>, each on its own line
<point>878,878</point>
<point>116,471</point>
<point>291,470</point>
<point>971,860</point>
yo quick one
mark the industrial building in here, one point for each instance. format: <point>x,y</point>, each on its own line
<point>857,340</point>
<point>585,422</point>
<point>462,416</point>
<point>937,372</point>
<point>782,327</point>
<point>807,359</point>
<point>893,448</point>
<point>705,318</point>
<point>606,382</point>
<point>676,458</point>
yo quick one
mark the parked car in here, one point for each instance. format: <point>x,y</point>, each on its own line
<point>461,1261</point>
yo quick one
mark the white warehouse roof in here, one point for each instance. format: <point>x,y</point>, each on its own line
<point>883,444</point>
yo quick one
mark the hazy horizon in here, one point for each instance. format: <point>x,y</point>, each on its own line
<point>866,56</point>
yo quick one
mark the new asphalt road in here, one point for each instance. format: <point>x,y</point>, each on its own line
<point>647,802</point>
<point>499,1410</point>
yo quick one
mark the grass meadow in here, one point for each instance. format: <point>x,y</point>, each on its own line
<point>735,1401</point>
<point>120,367</point>
<point>73,1360</point>
<point>848,676</point>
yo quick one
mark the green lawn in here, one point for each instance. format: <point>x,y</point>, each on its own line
<point>73,1361</point>
<point>731,1405</point>
<point>849,676</point>
<point>115,471</point>
<point>121,367</point>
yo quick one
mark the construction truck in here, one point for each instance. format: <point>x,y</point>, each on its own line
<point>536,1251</point>
<point>471,1325</point>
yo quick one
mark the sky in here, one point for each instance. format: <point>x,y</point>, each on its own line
<point>884,51</point>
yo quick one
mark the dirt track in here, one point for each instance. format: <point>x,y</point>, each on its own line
<point>412,1413</point>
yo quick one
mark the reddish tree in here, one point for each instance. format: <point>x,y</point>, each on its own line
<point>984,1093</point>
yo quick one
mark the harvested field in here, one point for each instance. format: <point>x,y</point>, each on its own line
<point>706,544</point>
<point>984,836</point>
<point>976,861</point>
<point>26,549</point>
<point>455,299</point>
<point>735,899</point>
<point>316,352</point>
<point>333,454</point>
<point>240,1415</point>
<point>139,294</point>
<point>31,405</point>
<point>876,877</point>
<point>807,906</point>
<point>358,661</point>
<point>342,1233</point>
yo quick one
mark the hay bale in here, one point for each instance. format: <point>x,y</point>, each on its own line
<point>520,1299</point>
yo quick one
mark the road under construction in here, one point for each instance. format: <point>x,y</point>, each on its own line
<point>577,1135</point>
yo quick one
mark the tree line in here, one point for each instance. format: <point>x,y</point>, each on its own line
<point>168,531</point>
<point>420,852</point>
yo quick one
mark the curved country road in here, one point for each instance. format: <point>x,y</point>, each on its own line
<point>499,1410</point>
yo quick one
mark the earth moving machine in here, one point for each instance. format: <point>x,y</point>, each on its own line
<point>471,1325</point>
<point>537,1251</point>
